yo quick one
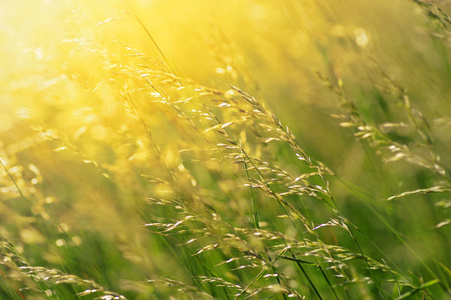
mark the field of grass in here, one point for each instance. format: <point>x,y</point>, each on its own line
<point>225,149</point>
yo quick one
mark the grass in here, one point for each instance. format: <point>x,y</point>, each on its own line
<point>139,159</point>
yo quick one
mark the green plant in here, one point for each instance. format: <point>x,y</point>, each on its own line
<point>122,179</point>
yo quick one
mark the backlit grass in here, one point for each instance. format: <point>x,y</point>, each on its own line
<point>225,150</point>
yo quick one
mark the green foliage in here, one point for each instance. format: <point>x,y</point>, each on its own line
<point>121,178</point>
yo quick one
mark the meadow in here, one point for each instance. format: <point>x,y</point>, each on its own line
<point>225,149</point>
